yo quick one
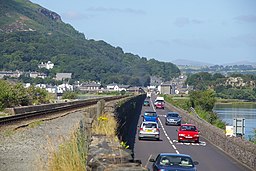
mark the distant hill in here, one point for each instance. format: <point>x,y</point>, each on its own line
<point>240,63</point>
<point>190,63</point>
<point>31,34</point>
<point>184,62</point>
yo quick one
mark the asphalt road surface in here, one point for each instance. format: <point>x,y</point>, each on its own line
<point>210,158</point>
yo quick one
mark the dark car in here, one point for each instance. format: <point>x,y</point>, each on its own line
<point>146,103</point>
<point>150,116</point>
<point>172,118</point>
<point>173,162</point>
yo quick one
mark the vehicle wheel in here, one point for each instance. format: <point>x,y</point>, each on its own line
<point>158,139</point>
<point>197,141</point>
<point>139,138</point>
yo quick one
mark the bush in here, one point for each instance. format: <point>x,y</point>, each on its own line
<point>69,95</point>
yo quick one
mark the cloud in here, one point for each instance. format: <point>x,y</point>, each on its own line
<point>193,43</point>
<point>247,39</point>
<point>246,18</point>
<point>163,42</point>
<point>116,10</point>
<point>183,21</point>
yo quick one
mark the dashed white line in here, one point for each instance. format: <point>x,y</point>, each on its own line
<point>169,139</point>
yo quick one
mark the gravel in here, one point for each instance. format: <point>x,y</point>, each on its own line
<point>26,148</point>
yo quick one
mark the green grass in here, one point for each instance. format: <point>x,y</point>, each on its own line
<point>71,155</point>
<point>35,124</point>
<point>184,103</point>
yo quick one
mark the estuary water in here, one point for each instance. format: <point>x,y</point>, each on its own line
<point>228,111</point>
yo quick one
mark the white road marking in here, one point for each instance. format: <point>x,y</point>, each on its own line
<point>202,143</point>
<point>148,161</point>
<point>169,139</point>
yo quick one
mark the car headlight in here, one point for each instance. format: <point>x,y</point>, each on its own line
<point>181,134</point>
<point>196,135</point>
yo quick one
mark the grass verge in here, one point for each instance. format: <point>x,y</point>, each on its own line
<point>70,156</point>
<point>105,125</point>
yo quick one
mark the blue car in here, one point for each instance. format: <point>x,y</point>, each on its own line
<point>173,162</point>
<point>150,116</point>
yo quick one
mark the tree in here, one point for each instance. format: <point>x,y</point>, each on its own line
<point>204,99</point>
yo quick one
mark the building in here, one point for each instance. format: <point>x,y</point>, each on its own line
<point>116,87</point>
<point>14,74</point>
<point>91,86</point>
<point>63,76</point>
<point>165,88</point>
<point>48,65</point>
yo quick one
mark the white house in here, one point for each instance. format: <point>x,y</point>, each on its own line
<point>65,87</point>
<point>48,65</point>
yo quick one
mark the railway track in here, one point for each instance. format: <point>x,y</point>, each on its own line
<point>42,111</point>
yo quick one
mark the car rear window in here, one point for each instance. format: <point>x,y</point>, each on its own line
<point>149,125</point>
<point>188,128</point>
<point>150,114</point>
<point>173,114</point>
<point>180,161</point>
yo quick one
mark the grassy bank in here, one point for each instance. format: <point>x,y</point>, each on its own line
<point>184,103</point>
<point>70,156</point>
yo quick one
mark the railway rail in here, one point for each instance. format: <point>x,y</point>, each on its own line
<point>58,107</point>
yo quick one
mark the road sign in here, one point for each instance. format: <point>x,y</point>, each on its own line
<point>229,130</point>
<point>238,126</point>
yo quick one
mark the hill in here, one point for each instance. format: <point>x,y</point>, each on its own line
<point>31,34</point>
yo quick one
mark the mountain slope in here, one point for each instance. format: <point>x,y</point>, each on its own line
<point>30,34</point>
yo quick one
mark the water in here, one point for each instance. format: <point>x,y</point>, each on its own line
<point>228,111</point>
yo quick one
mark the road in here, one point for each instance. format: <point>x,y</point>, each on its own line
<point>210,158</point>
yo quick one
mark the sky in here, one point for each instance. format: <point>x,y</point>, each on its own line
<point>212,31</point>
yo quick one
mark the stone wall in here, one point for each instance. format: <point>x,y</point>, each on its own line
<point>105,153</point>
<point>57,106</point>
<point>242,150</point>
<point>128,114</point>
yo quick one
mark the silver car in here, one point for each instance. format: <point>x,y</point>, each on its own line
<point>172,118</point>
<point>149,130</point>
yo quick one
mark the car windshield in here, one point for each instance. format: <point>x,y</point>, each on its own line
<point>178,161</point>
<point>159,101</point>
<point>149,125</point>
<point>173,115</point>
<point>150,114</point>
<point>146,101</point>
<point>188,128</point>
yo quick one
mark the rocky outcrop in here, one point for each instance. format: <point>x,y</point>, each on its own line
<point>52,15</point>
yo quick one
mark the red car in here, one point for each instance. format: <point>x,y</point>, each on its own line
<point>188,132</point>
<point>159,105</point>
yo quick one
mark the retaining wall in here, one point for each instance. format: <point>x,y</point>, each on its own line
<point>57,106</point>
<point>242,150</point>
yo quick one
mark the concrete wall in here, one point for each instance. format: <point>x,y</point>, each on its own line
<point>128,114</point>
<point>242,150</point>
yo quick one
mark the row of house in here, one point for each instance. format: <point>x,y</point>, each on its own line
<point>97,86</point>
<point>175,86</point>
<point>17,74</point>
<point>86,87</point>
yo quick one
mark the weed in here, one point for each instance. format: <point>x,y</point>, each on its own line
<point>105,125</point>
<point>71,155</point>
<point>35,124</point>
